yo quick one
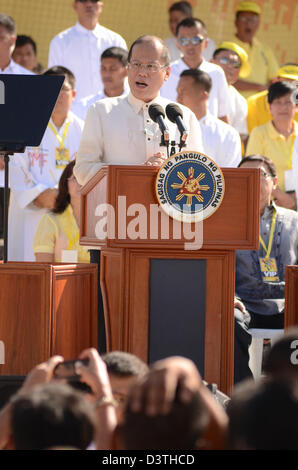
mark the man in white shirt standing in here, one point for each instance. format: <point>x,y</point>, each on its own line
<point>234,62</point>
<point>113,72</point>
<point>220,140</point>
<point>192,41</point>
<point>79,48</point>
<point>119,130</point>
<point>34,174</point>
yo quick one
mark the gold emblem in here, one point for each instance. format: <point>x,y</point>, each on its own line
<point>190,186</point>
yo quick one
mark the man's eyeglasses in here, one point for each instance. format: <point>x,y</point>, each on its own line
<point>85,1</point>
<point>226,61</point>
<point>195,41</point>
<point>148,68</point>
<point>265,175</point>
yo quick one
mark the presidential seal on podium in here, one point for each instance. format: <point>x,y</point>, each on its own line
<point>190,186</point>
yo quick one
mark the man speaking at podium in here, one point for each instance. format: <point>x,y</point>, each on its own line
<point>120,130</point>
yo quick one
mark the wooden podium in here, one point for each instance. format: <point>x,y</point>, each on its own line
<point>160,299</point>
<point>291,296</point>
<point>46,309</point>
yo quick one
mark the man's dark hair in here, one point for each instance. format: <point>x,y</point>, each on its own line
<point>165,56</point>
<point>200,78</point>
<point>269,418</point>
<point>60,70</point>
<point>221,49</point>
<point>179,429</point>
<point>183,7</point>
<point>190,23</point>
<point>280,89</point>
<point>116,53</point>
<point>124,364</point>
<point>8,23</point>
<point>51,415</point>
<point>22,40</point>
<point>63,196</point>
<point>277,360</point>
<point>260,158</point>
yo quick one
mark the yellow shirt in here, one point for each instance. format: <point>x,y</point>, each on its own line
<point>265,140</point>
<point>263,63</point>
<point>258,111</point>
<point>57,232</point>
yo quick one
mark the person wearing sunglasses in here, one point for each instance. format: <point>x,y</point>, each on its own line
<point>79,48</point>
<point>192,41</point>
<point>234,62</point>
<point>263,63</point>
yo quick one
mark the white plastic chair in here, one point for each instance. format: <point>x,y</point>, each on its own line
<point>256,348</point>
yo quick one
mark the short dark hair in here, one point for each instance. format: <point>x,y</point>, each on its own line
<point>277,360</point>
<point>63,196</point>
<point>190,23</point>
<point>218,50</point>
<point>260,158</point>
<point>116,53</point>
<point>280,89</point>
<point>200,78</point>
<point>124,364</point>
<point>8,23</point>
<point>179,429</point>
<point>184,7</point>
<point>22,40</point>
<point>147,38</point>
<point>60,70</point>
<point>51,415</point>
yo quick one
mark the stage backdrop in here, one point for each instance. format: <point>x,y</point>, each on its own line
<point>43,19</point>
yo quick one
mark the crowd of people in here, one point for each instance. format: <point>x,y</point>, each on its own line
<point>240,108</point>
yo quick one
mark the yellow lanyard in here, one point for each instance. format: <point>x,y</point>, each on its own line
<point>72,240</point>
<point>58,137</point>
<point>268,249</point>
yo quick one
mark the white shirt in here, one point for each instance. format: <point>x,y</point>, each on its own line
<point>80,108</point>
<point>238,113</point>
<point>219,97</point>
<point>79,50</point>
<point>31,173</point>
<point>221,141</point>
<point>175,53</point>
<point>13,69</point>
<point>120,131</point>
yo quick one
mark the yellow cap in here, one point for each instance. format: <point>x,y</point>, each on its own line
<point>245,65</point>
<point>249,6</point>
<point>288,71</point>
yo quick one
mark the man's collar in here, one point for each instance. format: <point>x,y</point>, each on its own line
<point>79,27</point>
<point>137,104</point>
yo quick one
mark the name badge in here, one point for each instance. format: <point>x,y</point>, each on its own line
<point>62,157</point>
<point>269,269</point>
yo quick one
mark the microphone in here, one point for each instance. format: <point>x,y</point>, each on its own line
<point>175,114</point>
<point>157,115</point>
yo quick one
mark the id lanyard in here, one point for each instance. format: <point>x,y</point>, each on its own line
<point>62,138</point>
<point>72,240</point>
<point>269,247</point>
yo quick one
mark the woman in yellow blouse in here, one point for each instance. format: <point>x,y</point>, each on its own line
<point>57,236</point>
<point>276,138</point>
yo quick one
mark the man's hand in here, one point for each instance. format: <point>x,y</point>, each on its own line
<point>158,388</point>
<point>42,373</point>
<point>283,199</point>
<point>156,160</point>
<point>94,374</point>
<point>46,199</point>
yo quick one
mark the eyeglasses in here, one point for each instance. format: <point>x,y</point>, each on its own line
<point>226,61</point>
<point>195,41</point>
<point>148,68</point>
<point>85,1</point>
<point>265,175</point>
<point>249,19</point>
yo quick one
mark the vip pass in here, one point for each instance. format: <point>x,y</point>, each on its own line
<point>190,186</point>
